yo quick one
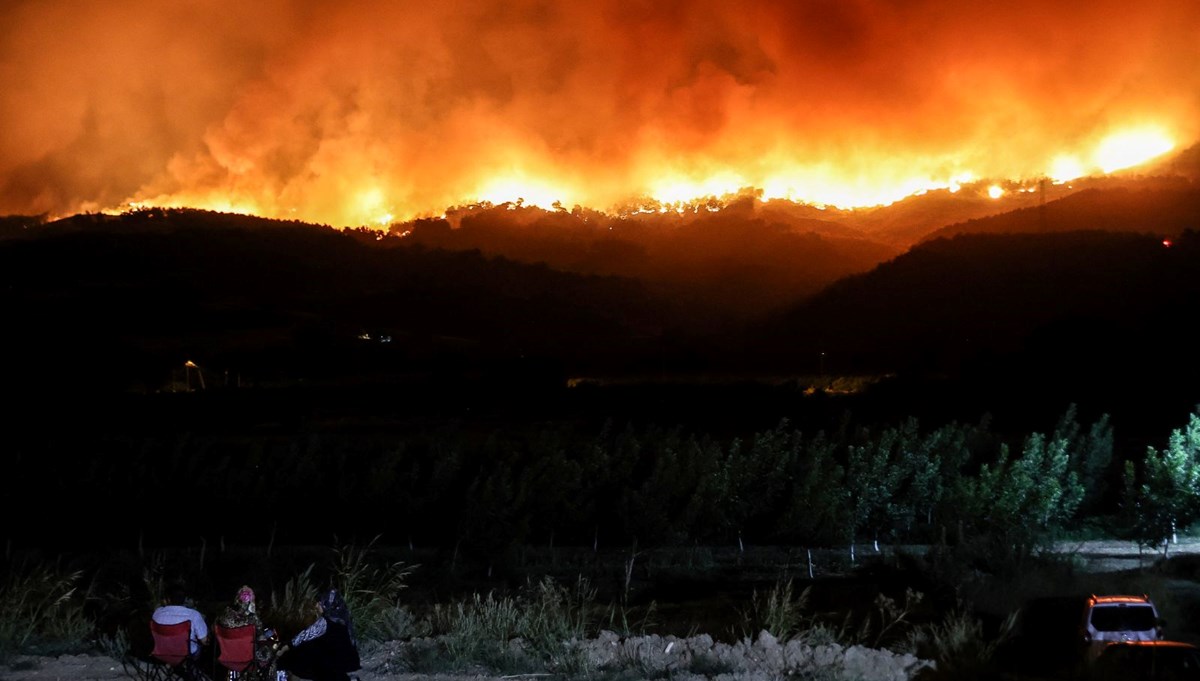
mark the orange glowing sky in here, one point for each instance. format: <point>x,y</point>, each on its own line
<point>366,111</point>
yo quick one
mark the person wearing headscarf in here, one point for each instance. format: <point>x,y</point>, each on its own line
<point>243,611</point>
<point>327,649</point>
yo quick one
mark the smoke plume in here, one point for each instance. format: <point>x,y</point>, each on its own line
<point>366,111</point>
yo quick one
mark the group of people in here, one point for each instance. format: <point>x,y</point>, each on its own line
<point>325,650</point>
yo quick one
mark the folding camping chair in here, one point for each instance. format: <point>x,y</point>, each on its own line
<point>172,652</point>
<point>236,652</point>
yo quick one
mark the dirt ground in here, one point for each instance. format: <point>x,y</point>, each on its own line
<point>686,659</point>
<point>1120,556</point>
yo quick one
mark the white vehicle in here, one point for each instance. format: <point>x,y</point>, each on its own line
<point>1109,619</point>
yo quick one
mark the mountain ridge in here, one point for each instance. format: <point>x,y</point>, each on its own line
<point>510,293</point>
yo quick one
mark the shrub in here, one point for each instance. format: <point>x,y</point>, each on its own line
<point>294,609</point>
<point>539,627</point>
<point>41,611</point>
<point>779,612</point>
<point>372,593</point>
<point>959,647</point>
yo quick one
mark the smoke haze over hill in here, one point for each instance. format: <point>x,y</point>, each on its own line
<point>363,112</point>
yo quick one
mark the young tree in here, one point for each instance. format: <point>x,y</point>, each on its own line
<point>1090,455</point>
<point>817,506</point>
<point>872,481</point>
<point>1055,490</point>
<point>1026,500</point>
<point>1168,497</point>
<point>755,478</point>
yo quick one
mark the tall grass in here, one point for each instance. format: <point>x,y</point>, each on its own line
<point>780,612</point>
<point>786,616</point>
<point>42,611</point>
<point>372,591</point>
<point>295,608</point>
<point>538,629</point>
<point>960,648</point>
<point>154,577</point>
<point>631,621</point>
<point>890,620</point>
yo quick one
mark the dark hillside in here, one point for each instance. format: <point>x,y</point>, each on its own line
<point>121,304</point>
<point>97,305</point>
<point>1094,317</point>
<point>1164,207</point>
<point>733,263</point>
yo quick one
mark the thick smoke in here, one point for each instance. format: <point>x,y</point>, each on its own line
<point>349,112</point>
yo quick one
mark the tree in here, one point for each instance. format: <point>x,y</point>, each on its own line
<point>1168,497</point>
<point>1025,501</point>
<point>872,480</point>
<point>1054,490</point>
<point>817,506</point>
<point>755,478</point>
<point>1090,455</point>
<point>931,464</point>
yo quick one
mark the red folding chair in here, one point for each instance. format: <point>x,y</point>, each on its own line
<point>173,649</point>
<point>236,652</point>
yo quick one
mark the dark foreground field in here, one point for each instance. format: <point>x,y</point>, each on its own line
<point>709,604</point>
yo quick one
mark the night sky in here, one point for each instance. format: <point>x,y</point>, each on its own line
<point>368,112</point>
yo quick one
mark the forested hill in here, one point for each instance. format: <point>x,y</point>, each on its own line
<point>100,304</point>
<point>1096,317</point>
<point>732,262</point>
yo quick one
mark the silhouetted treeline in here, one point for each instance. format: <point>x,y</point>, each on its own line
<point>484,489</point>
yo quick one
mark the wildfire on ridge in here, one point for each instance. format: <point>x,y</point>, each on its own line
<point>371,112</point>
<point>371,207</point>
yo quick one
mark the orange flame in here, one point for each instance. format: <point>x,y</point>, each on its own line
<point>370,112</point>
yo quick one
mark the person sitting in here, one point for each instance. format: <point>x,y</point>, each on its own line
<point>176,609</point>
<point>327,649</point>
<point>243,611</point>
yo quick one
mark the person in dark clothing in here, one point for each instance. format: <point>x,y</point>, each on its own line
<point>327,649</point>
